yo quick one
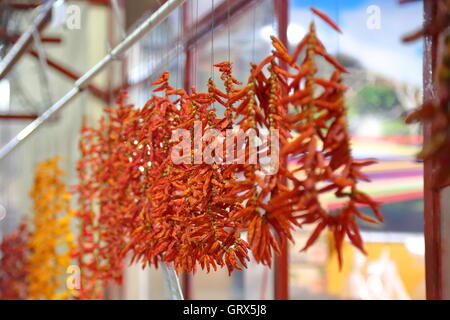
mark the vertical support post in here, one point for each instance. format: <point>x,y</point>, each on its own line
<point>432,212</point>
<point>171,283</point>
<point>187,84</point>
<point>437,203</point>
<point>281,276</point>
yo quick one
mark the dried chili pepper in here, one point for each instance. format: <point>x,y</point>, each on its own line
<point>13,264</point>
<point>322,148</point>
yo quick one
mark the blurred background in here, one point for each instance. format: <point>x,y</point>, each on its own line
<point>385,82</point>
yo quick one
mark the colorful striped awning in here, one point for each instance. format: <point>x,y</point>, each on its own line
<point>396,177</point>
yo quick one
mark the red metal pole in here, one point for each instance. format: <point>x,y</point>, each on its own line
<point>72,75</point>
<point>100,2</point>
<point>18,116</point>
<point>281,276</point>
<point>432,232</point>
<point>187,83</point>
<point>14,37</point>
<point>24,6</point>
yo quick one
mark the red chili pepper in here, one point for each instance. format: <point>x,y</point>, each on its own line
<point>325,18</point>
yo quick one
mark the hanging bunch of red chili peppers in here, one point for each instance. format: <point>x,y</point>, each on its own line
<point>107,196</point>
<point>14,251</point>
<point>158,195</point>
<point>320,146</point>
<point>436,113</point>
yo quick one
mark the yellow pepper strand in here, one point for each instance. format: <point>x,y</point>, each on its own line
<point>51,241</point>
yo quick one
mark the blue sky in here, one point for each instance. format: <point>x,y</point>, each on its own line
<point>379,50</point>
<point>328,4</point>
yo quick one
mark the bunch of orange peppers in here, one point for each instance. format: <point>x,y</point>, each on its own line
<point>51,241</point>
<point>137,197</point>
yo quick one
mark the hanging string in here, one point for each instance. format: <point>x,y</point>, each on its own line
<point>55,136</point>
<point>212,39</point>
<point>254,33</point>
<point>196,49</point>
<point>191,26</point>
<point>229,32</point>
<point>338,22</point>
<point>165,47</point>
<point>275,20</point>
<point>139,62</point>
<point>166,43</point>
<point>177,67</point>
<point>153,50</point>
<point>180,46</point>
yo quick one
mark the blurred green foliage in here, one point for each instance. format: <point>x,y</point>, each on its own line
<point>374,100</point>
<point>380,102</point>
